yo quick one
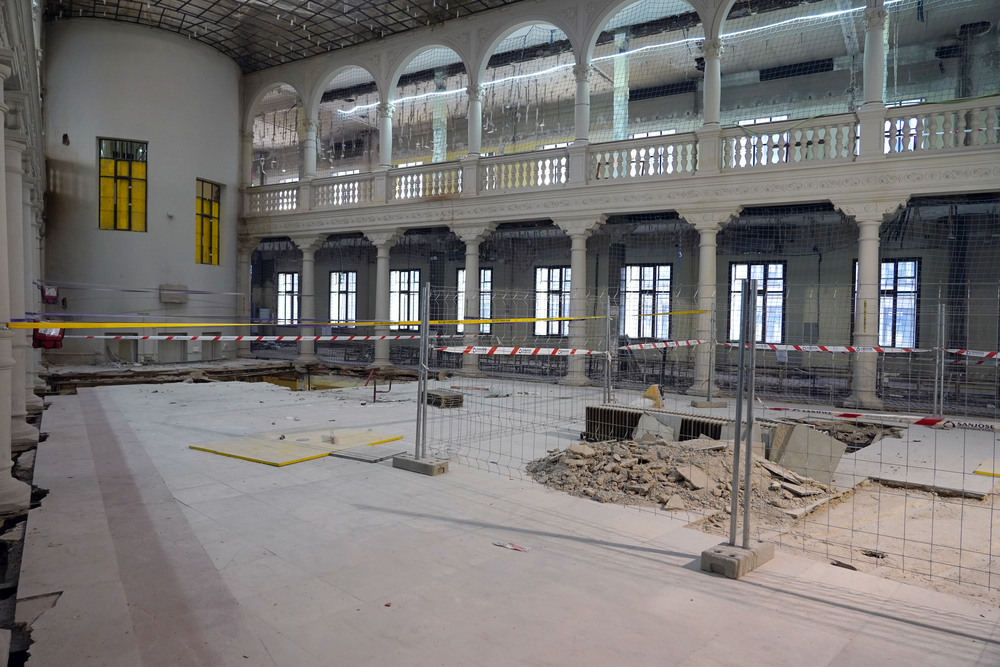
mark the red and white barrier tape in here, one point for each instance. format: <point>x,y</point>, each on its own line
<point>279,339</point>
<point>517,351</point>
<point>832,348</point>
<point>661,345</point>
<point>913,420</point>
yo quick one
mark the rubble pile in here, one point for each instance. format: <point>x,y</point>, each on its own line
<point>694,475</point>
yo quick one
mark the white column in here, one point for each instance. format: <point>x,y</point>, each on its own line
<point>22,433</point>
<point>309,246</point>
<point>475,120</point>
<point>621,89</point>
<point>246,159</point>
<point>708,223</point>
<point>472,238</point>
<point>875,36</point>
<point>581,109</point>
<point>307,144</point>
<point>871,115</point>
<point>385,111</point>
<point>244,249</point>
<point>439,120</point>
<point>383,242</point>
<point>578,231</point>
<point>32,294</point>
<point>866,315</point>
<point>712,48</point>
<point>14,494</point>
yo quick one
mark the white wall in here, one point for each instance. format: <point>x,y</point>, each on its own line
<point>113,80</point>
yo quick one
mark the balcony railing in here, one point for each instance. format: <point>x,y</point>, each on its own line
<point>524,171</point>
<point>790,142</point>
<point>434,180</point>
<point>940,127</point>
<point>957,126</point>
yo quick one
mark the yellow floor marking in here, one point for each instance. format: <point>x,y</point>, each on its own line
<point>281,449</point>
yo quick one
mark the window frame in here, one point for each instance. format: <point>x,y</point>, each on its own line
<point>893,328</point>
<point>407,300</point>
<point>559,297</point>
<point>345,300</point>
<point>764,292</point>
<point>123,186</point>
<point>659,324</point>
<point>287,299</point>
<point>212,219</point>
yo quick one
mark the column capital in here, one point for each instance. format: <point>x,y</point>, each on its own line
<point>713,48</point>
<point>247,244</point>
<point>385,109</point>
<point>383,238</point>
<point>869,210</point>
<point>247,135</point>
<point>875,17</point>
<point>473,233</point>
<point>579,226</point>
<point>6,64</point>
<point>310,243</point>
<point>582,72</point>
<point>475,92</point>
<point>705,220</point>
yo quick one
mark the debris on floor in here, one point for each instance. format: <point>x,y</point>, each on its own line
<point>693,475</point>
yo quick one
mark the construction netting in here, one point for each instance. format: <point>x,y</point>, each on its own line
<point>347,124</point>
<point>430,117</point>
<point>276,126</point>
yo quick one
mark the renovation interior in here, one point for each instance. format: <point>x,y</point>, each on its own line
<point>290,186</point>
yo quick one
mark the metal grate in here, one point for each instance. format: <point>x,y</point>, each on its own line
<point>258,34</point>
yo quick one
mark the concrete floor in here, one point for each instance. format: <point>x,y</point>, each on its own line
<point>167,555</point>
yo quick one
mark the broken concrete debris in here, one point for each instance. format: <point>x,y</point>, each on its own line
<point>692,475</point>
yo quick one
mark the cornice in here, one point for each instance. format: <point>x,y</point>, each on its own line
<point>849,185</point>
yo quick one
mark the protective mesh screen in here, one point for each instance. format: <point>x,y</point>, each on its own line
<point>430,121</point>
<point>646,77</point>
<point>276,137</point>
<point>347,133</point>
<point>942,50</point>
<point>792,61</point>
<point>529,92</point>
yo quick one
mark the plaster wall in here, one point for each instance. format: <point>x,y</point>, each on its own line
<point>112,80</point>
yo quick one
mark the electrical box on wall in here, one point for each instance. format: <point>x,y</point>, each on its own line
<point>173,293</point>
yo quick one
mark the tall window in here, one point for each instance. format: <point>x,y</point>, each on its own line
<point>404,297</point>
<point>645,298</point>
<point>552,289</point>
<point>343,296</point>
<point>123,185</point>
<point>288,298</point>
<point>770,299</point>
<point>485,298</point>
<point>206,209</point>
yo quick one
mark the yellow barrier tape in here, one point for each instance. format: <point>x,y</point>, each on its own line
<point>355,323</point>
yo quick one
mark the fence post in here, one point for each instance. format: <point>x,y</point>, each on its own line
<point>420,451</point>
<point>610,348</point>
<point>744,393</point>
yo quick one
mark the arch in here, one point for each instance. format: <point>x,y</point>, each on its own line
<point>314,98</point>
<point>602,19</point>
<point>505,30</point>
<point>262,89</point>
<point>346,124</point>
<point>276,125</point>
<point>407,59</point>
<point>529,89</point>
<point>647,70</point>
<point>430,100</point>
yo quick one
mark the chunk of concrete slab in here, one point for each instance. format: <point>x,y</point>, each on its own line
<point>650,426</point>
<point>708,404</point>
<point>694,475</point>
<point>733,562</point>
<point>425,466</point>
<point>808,452</point>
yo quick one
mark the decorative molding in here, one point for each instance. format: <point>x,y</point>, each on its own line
<point>713,48</point>
<point>875,18</point>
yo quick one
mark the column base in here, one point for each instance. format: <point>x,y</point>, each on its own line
<point>864,401</point>
<point>15,495</point>
<point>577,380</point>
<point>470,372</point>
<point>34,404</point>
<point>22,434</point>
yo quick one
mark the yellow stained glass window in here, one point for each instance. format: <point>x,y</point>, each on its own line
<point>122,204</point>
<point>207,215</point>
